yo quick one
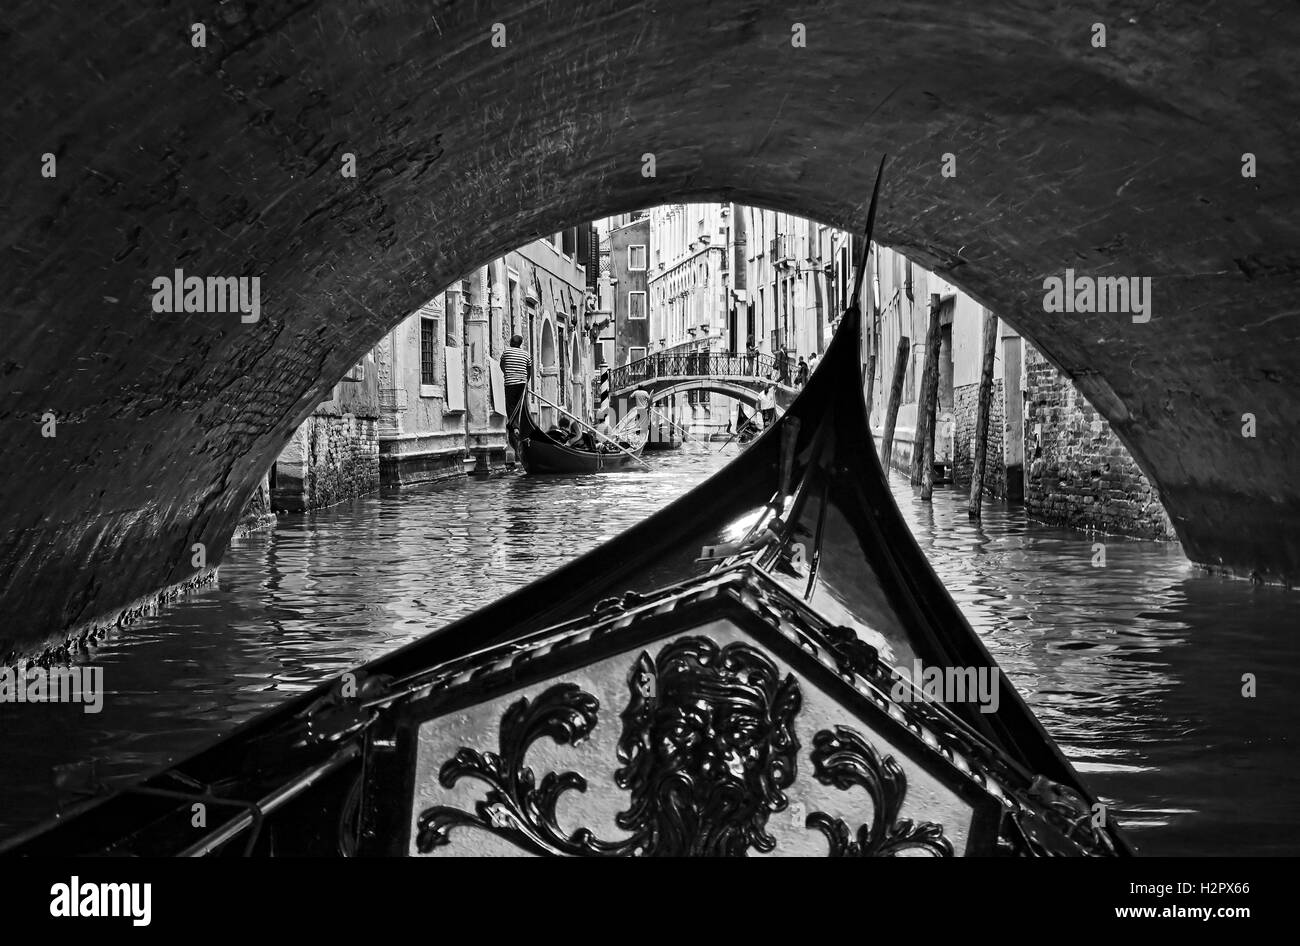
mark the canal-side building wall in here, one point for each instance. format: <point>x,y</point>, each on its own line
<point>1047,445</point>
<point>787,282</point>
<point>629,255</point>
<point>964,408</point>
<point>441,390</point>
<point>559,319</point>
<point>1078,473</point>
<point>427,403</point>
<point>688,279</point>
<point>897,296</point>
<point>334,454</point>
<point>690,287</point>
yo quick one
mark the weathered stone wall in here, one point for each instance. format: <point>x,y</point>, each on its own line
<point>258,512</point>
<point>1078,473</point>
<point>965,405</point>
<point>415,459</point>
<point>332,457</point>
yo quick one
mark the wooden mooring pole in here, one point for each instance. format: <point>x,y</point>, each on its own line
<point>895,395</point>
<point>923,442</point>
<point>871,384</point>
<point>982,415</point>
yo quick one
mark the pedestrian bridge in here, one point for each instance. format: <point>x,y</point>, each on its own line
<point>662,375</point>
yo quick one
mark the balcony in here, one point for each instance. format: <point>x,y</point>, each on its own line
<point>781,247</point>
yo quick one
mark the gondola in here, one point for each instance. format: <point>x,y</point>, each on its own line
<point>721,679</point>
<point>746,426</point>
<point>539,453</point>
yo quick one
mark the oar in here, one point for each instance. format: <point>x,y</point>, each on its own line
<point>591,428</point>
<point>685,435</point>
<point>739,430</point>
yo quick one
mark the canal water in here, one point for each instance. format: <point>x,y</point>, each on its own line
<point>1136,667</point>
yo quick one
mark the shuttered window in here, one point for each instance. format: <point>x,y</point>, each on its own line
<point>428,356</point>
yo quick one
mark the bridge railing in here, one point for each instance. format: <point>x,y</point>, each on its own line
<point>693,364</point>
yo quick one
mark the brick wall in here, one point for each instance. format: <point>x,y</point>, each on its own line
<point>332,457</point>
<point>965,401</point>
<point>1079,473</point>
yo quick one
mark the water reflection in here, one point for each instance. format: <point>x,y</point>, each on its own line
<point>1135,667</point>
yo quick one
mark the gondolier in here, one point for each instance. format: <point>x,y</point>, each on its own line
<point>767,403</point>
<point>517,367</point>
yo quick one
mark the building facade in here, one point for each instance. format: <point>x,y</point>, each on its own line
<point>689,279</point>
<point>787,283</point>
<point>428,402</point>
<point>628,337</point>
<point>1046,445</point>
<point>441,390</point>
<point>334,453</point>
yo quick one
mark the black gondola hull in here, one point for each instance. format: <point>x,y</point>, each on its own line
<point>302,765</point>
<point>748,632</point>
<point>539,454</point>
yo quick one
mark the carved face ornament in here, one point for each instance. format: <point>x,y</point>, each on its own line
<point>708,739</point>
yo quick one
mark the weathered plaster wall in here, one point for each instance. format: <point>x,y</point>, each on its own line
<point>965,409</point>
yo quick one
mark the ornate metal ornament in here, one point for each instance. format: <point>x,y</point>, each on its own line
<point>707,750</point>
<point>706,747</point>
<point>844,759</point>
<point>515,806</point>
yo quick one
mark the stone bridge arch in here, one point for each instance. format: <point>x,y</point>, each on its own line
<point>229,161</point>
<point>739,392</point>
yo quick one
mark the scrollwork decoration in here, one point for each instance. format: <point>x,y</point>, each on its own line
<point>708,748</point>
<point>844,759</point>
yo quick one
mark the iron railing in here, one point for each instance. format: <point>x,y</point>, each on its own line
<point>694,364</point>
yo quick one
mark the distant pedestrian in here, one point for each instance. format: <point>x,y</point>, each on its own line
<point>751,355</point>
<point>801,373</point>
<point>783,366</point>
<point>812,363</point>
<point>517,367</point>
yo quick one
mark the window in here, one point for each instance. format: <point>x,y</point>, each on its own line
<point>636,353</point>
<point>428,351</point>
<point>636,257</point>
<point>636,305</point>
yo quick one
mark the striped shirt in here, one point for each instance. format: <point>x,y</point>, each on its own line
<point>517,366</point>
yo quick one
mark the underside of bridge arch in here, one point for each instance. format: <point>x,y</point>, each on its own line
<point>736,391</point>
<point>225,160</point>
